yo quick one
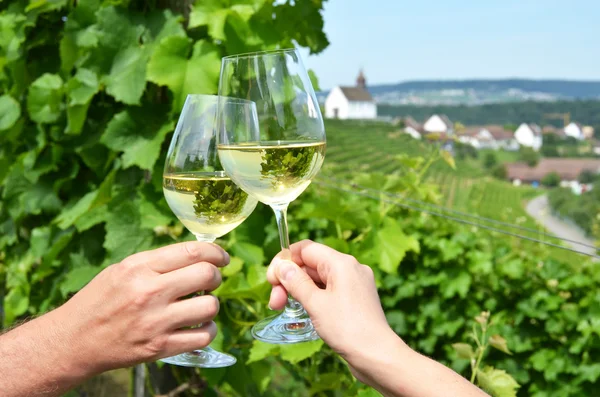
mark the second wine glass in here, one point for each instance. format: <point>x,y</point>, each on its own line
<point>276,162</point>
<point>201,194</point>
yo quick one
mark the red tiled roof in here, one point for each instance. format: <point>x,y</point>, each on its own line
<point>567,169</point>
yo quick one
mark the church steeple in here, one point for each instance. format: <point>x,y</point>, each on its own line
<point>361,81</point>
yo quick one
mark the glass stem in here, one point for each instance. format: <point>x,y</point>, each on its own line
<point>293,307</point>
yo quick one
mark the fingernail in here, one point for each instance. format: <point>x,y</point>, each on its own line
<point>227,257</point>
<point>287,270</point>
<point>270,308</point>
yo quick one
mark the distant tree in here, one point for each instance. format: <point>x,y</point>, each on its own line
<point>588,176</point>
<point>499,172</point>
<point>551,139</point>
<point>529,156</point>
<point>549,150</point>
<point>571,141</point>
<point>464,151</point>
<point>399,122</point>
<point>459,127</point>
<point>511,127</point>
<point>551,180</point>
<point>490,160</point>
<point>597,131</point>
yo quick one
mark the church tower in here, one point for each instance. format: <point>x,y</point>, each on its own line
<point>361,81</point>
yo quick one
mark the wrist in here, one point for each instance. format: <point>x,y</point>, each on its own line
<point>384,353</point>
<point>72,362</point>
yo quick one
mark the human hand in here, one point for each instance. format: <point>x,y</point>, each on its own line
<point>345,310</point>
<point>132,312</point>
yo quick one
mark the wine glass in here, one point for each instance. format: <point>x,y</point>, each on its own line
<point>277,162</point>
<point>201,194</point>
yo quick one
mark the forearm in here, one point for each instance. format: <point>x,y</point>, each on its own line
<point>38,359</point>
<point>395,370</point>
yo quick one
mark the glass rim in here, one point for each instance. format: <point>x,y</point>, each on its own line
<point>220,98</point>
<point>255,54</point>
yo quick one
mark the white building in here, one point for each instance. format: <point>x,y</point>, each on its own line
<point>489,137</point>
<point>440,124</point>
<point>351,102</point>
<point>412,128</point>
<point>529,135</point>
<point>575,130</point>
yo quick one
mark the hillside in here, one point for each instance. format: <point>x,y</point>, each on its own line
<point>584,111</point>
<point>478,92</point>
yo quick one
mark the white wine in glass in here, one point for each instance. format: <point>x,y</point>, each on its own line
<point>201,195</point>
<point>275,162</point>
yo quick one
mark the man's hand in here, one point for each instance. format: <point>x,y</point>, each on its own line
<point>130,313</point>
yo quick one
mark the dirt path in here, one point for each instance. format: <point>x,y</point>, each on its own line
<point>539,209</point>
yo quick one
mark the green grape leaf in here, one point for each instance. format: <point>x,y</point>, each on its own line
<point>235,265</point>
<point>40,240</point>
<point>67,48</point>
<point>139,134</point>
<point>67,217</point>
<point>91,218</point>
<point>10,111</point>
<point>464,350</point>
<point>300,351</point>
<point>172,65</point>
<point>77,278</point>
<point>16,303</point>
<point>324,382</point>
<point>456,285</point>
<point>153,217</point>
<point>497,382</point>
<point>82,87</point>
<point>392,245</point>
<point>44,101</point>
<point>42,6</point>
<point>117,29</point>
<point>40,198</point>
<point>262,374</point>
<point>498,342</point>
<point>261,350</point>
<point>249,253</point>
<point>127,78</point>
<point>13,35</point>
<point>447,157</point>
<point>212,14</point>
<point>76,116</point>
<point>397,321</point>
<point>314,80</point>
<point>124,236</point>
<point>86,204</point>
<point>368,393</point>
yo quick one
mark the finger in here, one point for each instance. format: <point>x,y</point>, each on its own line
<point>273,280</point>
<point>176,256</point>
<point>192,311</point>
<point>278,297</point>
<point>201,276</point>
<point>297,283</point>
<point>311,254</point>
<point>187,340</point>
<point>319,257</point>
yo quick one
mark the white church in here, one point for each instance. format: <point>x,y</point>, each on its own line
<point>351,102</point>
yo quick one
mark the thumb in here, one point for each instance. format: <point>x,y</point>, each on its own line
<point>296,282</point>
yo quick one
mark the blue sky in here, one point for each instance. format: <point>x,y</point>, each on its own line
<point>399,40</point>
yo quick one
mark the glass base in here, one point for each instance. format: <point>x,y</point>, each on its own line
<point>204,358</point>
<point>285,328</point>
